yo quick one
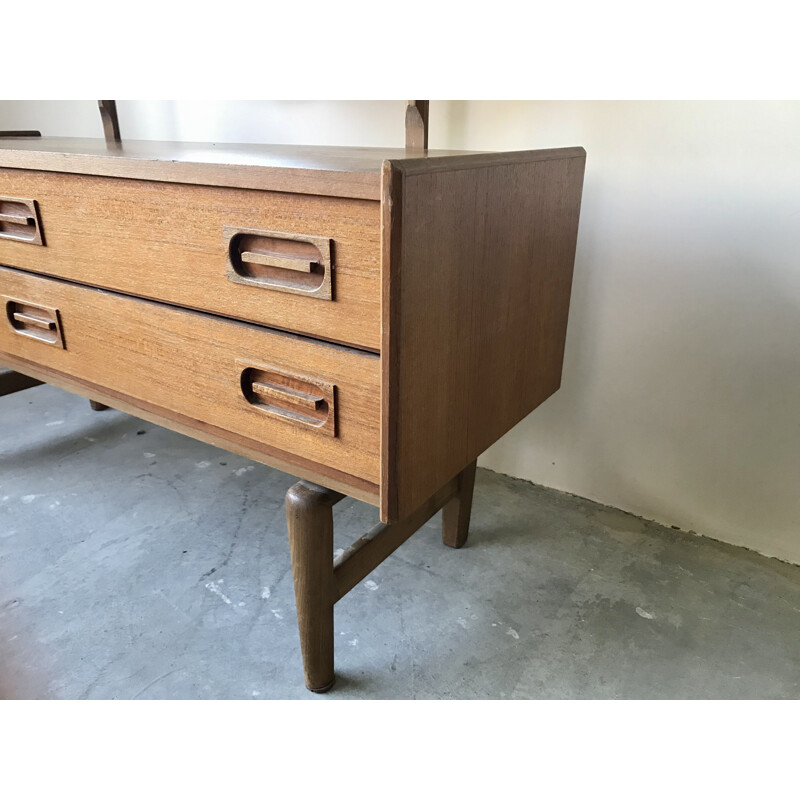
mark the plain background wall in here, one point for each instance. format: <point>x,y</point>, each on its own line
<point>680,399</point>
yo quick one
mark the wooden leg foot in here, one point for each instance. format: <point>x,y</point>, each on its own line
<point>97,406</point>
<point>455,515</point>
<point>309,515</point>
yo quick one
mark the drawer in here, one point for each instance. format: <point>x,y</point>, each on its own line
<point>301,263</point>
<point>304,400</point>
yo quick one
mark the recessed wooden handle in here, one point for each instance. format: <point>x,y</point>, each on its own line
<point>297,264</point>
<point>16,219</point>
<point>283,262</point>
<point>19,220</point>
<point>269,391</point>
<point>36,322</point>
<point>308,403</point>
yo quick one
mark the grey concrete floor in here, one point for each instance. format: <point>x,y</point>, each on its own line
<point>137,563</point>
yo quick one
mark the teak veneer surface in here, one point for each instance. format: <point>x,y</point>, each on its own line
<point>478,255</point>
<point>167,242</point>
<point>191,364</point>
<point>335,171</point>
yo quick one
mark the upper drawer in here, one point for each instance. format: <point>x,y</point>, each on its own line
<point>298,262</point>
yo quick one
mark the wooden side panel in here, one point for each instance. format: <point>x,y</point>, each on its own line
<point>477,272</point>
<point>199,367</point>
<point>168,242</point>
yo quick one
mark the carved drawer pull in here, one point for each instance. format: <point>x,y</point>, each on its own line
<point>297,264</point>
<point>19,220</point>
<point>282,262</point>
<point>295,399</point>
<point>270,392</point>
<point>35,321</point>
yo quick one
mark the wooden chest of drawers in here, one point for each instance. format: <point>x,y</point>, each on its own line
<point>365,320</point>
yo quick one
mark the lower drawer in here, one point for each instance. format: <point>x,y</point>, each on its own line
<point>303,399</point>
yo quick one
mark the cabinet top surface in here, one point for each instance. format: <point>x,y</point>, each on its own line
<point>338,171</point>
<point>335,171</point>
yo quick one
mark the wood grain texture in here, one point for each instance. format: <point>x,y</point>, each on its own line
<point>186,363</point>
<point>477,266</point>
<point>309,517</point>
<point>167,242</point>
<point>333,171</point>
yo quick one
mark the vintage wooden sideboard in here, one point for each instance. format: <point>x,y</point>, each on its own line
<point>369,320</point>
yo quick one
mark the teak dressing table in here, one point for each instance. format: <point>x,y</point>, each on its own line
<point>369,320</point>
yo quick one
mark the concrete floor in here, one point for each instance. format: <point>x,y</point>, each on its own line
<point>137,563</point>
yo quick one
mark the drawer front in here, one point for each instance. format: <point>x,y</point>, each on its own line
<point>298,262</point>
<point>316,401</point>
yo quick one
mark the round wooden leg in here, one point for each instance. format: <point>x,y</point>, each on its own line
<point>309,515</point>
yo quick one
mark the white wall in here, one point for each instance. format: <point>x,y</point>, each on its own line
<point>681,393</point>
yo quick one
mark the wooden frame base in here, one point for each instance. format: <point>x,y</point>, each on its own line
<point>320,581</point>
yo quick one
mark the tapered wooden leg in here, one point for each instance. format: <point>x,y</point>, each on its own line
<point>309,514</point>
<point>97,406</point>
<point>455,515</point>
